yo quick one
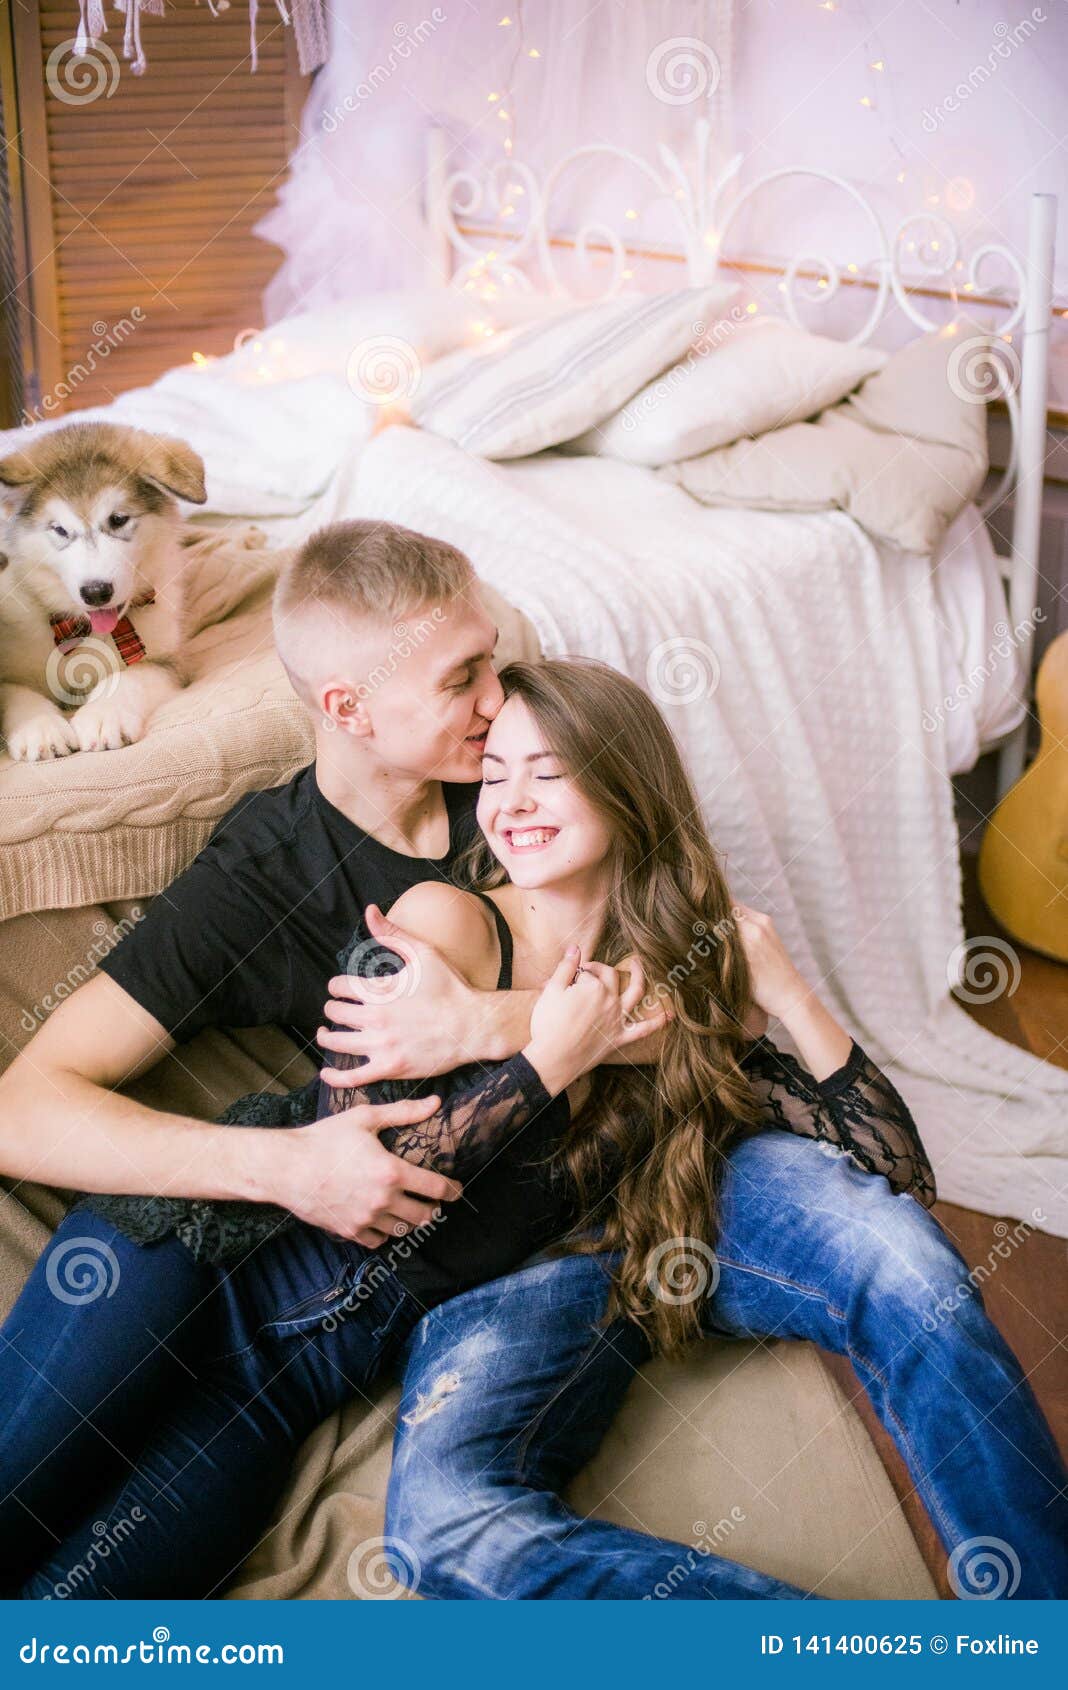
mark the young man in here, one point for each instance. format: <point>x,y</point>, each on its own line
<point>249,934</point>
<point>811,1246</point>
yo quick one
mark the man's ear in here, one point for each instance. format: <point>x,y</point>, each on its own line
<point>172,465</point>
<point>343,709</point>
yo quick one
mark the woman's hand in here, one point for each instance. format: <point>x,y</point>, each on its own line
<point>778,987</point>
<point>780,990</point>
<point>582,1013</point>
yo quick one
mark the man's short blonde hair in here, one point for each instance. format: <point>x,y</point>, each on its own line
<point>351,572</point>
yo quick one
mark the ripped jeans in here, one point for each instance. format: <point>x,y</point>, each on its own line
<point>150,1413</point>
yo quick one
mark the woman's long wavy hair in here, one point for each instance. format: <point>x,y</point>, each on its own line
<point>646,1150</point>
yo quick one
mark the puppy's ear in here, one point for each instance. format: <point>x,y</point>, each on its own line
<point>17,470</point>
<point>17,475</point>
<point>174,466</point>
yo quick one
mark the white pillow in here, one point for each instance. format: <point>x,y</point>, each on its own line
<point>431,321</point>
<point>545,383</point>
<point>740,382</point>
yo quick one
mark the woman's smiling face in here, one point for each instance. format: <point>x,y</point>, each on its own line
<point>540,826</point>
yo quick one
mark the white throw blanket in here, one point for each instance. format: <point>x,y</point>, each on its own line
<point>817,780</point>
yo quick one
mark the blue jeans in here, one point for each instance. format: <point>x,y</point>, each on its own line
<point>185,1394</point>
<point>810,1247</point>
<point>151,1407</point>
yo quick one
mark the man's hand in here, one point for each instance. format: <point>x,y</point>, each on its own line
<point>409,1024</point>
<point>337,1176</point>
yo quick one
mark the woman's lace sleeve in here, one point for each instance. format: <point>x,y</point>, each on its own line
<point>482,1108</point>
<point>856,1108</point>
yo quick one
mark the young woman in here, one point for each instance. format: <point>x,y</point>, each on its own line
<point>594,881</point>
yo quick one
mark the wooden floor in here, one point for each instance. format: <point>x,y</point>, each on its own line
<point>1026,1297</point>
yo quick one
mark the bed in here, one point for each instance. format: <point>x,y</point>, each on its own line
<point>824,686</point>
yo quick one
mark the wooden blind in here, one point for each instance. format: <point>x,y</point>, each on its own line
<point>140,202</point>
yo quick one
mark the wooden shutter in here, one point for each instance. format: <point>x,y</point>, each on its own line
<point>140,203</point>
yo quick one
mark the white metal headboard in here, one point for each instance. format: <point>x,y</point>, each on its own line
<point>473,241</point>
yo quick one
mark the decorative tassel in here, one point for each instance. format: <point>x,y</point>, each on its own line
<point>310,26</point>
<point>140,64</point>
<point>306,17</point>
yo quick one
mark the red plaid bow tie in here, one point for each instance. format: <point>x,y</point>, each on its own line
<point>69,631</point>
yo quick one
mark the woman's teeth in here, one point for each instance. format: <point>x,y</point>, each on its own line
<point>532,838</point>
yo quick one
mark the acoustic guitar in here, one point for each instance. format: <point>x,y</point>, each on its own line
<point>1023,860</point>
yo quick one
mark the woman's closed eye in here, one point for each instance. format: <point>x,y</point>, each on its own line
<point>487,782</point>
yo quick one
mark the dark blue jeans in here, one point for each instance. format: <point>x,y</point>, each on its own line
<point>186,1391</point>
<point>151,1407</point>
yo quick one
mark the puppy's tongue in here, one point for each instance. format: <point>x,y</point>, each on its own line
<point>103,621</point>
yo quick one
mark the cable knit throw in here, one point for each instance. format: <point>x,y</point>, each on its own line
<point>307,18</point>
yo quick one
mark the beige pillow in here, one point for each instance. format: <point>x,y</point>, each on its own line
<point>743,379</point>
<point>540,385</point>
<point>903,456</point>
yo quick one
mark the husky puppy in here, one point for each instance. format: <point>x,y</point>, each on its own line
<point>91,565</point>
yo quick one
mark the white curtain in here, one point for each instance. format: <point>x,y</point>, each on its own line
<point>350,217</point>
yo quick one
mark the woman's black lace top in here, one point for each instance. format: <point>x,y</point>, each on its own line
<point>495,1131</point>
<point>856,1108</point>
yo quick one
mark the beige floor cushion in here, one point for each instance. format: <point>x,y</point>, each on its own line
<point>751,1449</point>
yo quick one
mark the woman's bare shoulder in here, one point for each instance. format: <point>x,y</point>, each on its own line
<point>456,923</point>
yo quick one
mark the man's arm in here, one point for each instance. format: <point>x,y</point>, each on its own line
<point>61,1123</point>
<point>439,1019</point>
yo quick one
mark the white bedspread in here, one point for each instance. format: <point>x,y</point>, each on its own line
<point>816,775</point>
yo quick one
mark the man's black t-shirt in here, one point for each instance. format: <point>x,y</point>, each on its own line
<point>248,936</point>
